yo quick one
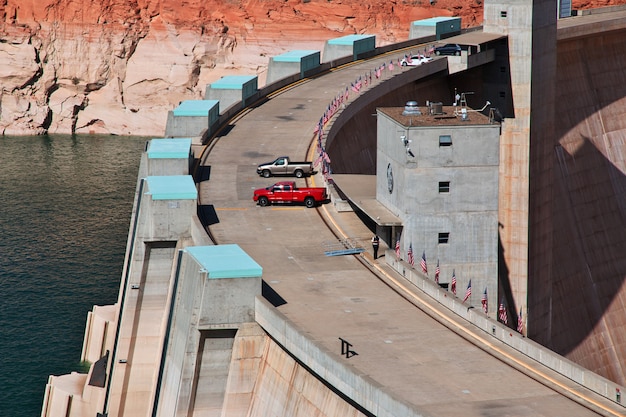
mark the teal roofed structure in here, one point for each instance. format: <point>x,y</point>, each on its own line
<point>354,45</point>
<point>233,81</point>
<point>439,26</point>
<point>432,21</point>
<point>225,261</point>
<point>292,62</point>
<point>350,39</point>
<point>195,108</point>
<point>232,89</point>
<point>174,187</point>
<point>192,118</point>
<point>169,148</point>
<point>295,56</point>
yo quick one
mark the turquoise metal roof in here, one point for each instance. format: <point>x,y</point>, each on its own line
<point>225,261</point>
<point>172,187</point>
<point>433,21</point>
<point>195,107</point>
<point>348,40</point>
<point>232,82</point>
<point>294,56</point>
<point>169,148</point>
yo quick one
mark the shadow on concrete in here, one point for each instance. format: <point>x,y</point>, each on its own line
<point>99,372</point>
<point>202,173</point>
<point>505,293</point>
<point>256,154</point>
<point>207,215</point>
<point>272,296</point>
<point>588,265</point>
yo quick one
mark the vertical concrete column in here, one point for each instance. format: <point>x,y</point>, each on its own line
<point>525,143</point>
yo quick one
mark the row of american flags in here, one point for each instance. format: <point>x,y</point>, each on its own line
<point>503,315</point>
<point>337,103</point>
<point>323,158</point>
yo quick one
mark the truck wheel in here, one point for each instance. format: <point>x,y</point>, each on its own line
<point>267,173</point>
<point>263,201</point>
<point>309,202</point>
<point>299,173</point>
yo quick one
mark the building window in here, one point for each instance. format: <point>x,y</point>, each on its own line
<point>503,13</point>
<point>502,69</point>
<point>502,94</point>
<point>444,186</point>
<point>445,140</point>
<point>444,237</point>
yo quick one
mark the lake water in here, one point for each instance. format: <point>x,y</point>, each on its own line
<point>66,206</point>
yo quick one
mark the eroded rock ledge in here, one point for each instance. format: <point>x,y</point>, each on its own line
<point>117,67</point>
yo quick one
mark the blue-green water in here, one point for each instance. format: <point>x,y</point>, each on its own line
<point>65,205</point>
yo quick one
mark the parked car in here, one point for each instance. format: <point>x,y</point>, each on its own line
<point>414,60</point>
<point>283,166</point>
<point>448,49</point>
<point>288,192</point>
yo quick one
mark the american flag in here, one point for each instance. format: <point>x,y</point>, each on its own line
<point>502,314</point>
<point>398,248</point>
<point>468,291</point>
<point>437,271</point>
<point>423,263</point>
<point>318,160</point>
<point>453,283</point>
<point>484,302</point>
<point>409,255</point>
<point>520,322</point>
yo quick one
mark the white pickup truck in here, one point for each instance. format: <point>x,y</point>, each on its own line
<point>283,166</point>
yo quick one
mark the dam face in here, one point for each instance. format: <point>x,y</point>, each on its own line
<point>578,296</point>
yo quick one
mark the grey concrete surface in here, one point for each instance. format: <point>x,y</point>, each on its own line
<point>401,342</point>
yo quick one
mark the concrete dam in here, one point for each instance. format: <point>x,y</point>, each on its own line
<point>228,309</point>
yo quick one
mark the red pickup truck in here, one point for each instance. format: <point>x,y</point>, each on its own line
<point>287,192</point>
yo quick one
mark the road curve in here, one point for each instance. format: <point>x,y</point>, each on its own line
<point>428,358</point>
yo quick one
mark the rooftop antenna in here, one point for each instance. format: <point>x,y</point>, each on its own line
<point>463,99</point>
<point>460,99</point>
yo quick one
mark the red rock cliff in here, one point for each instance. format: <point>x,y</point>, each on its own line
<point>118,66</point>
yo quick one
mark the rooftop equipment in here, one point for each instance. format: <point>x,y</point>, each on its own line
<point>410,109</point>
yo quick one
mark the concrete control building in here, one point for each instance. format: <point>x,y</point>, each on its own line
<point>437,168</point>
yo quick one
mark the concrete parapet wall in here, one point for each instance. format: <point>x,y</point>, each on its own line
<point>329,367</point>
<point>505,334</point>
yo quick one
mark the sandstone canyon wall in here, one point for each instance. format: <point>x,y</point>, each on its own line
<point>117,67</point>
